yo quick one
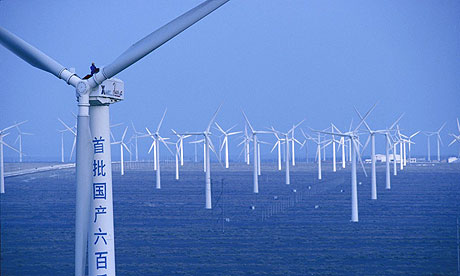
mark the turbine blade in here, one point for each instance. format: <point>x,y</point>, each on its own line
<point>233,133</point>
<point>359,156</point>
<point>365,145</point>
<point>154,40</point>
<point>73,147</point>
<point>228,130</point>
<point>364,121</point>
<point>124,134</point>
<point>219,128</point>
<point>115,125</point>
<point>351,125</point>
<point>393,125</point>
<point>365,116</point>
<point>330,133</point>
<point>213,118</point>
<point>151,146</point>
<point>211,146</point>
<point>413,135</point>
<point>35,57</point>
<point>247,121</point>
<point>15,125</point>
<point>274,146</point>
<point>295,126</point>
<point>124,145</point>
<point>5,144</point>
<point>148,131</point>
<point>223,144</point>
<point>161,121</point>
<point>132,124</point>
<point>443,125</point>
<point>166,145</point>
<point>67,127</point>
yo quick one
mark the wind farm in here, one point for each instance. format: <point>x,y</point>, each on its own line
<point>285,184</point>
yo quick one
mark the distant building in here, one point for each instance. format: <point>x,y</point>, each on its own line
<point>452,160</point>
<point>380,158</point>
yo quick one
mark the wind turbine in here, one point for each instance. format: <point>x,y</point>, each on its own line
<point>352,135</point>
<point>305,144</point>
<point>318,155</point>
<point>3,133</point>
<point>208,145</point>
<point>204,151</point>
<point>62,131</point>
<point>319,146</point>
<point>94,96</point>
<point>181,145</point>
<point>372,139</point>
<point>74,132</point>
<point>156,149</point>
<point>294,140</point>
<point>255,152</point>
<point>389,143</point>
<point>439,140</point>
<point>428,135</point>
<point>456,137</point>
<point>246,143</point>
<point>225,141</point>
<point>286,149</point>
<point>400,140</point>
<point>278,145</point>
<point>136,135</point>
<point>19,139</point>
<point>342,145</point>
<point>122,145</point>
<point>395,166</point>
<point>178,153</point>
<point>334,164</point>
<point>411,142</point>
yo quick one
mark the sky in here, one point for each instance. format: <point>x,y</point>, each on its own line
<point>279,61</point>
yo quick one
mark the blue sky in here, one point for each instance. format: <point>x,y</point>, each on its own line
<point>280,61</point>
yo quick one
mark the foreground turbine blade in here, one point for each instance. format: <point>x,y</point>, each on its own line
<point>154,40</point>
<point>35,57</point>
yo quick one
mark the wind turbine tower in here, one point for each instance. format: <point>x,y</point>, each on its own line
<point>19,139</point>
<point>3,133</point>
<point>255,153</point>
<point>156,149</point>
<point>208,145</point>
